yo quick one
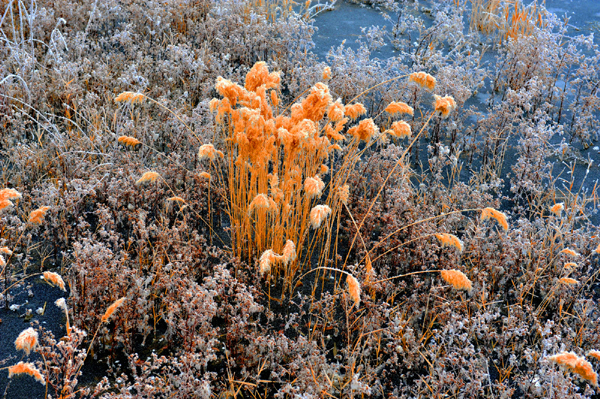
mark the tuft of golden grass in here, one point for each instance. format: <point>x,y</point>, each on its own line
<point>289,252</point>
<point>37,216</point>
<point>399,108</point>
<point>176,199</point>
<point>491,213</point>
<point>365,130</point>
<point>9,193</point>
<point>26,368</point>
<point>5,250</point>
<point>130,97</point>
<point>400,129</point>
<point>27,340</point>
<point>267,258</point>
<point>318,214</point>
<point>313,186</point>
<point>570,252</point>
<point>354,289</point>
<point>208,151</point>
<point>205,175</point>
<point>54,279</point>
<point>128,140</point>
<point>450,240</point>
<point>568,281</point>
<point>111,309</point>
<point>5,204</point>
<point>557,208</point>
<point>444,105</point>
<point>577,365</point>
<point>148,177</point>
<point>353,111</point>
<point>423,79</point>
<point>456,279</point>
<point>594,353</point>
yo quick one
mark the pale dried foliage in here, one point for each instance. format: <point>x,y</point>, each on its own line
<point>318,214</point>
<point>568,281</point>
<point>444,105</point>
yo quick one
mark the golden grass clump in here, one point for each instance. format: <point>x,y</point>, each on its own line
<point>365,129</point>
<point>205,175</point>
<point>577,365</point>
<point>54,279</point>
<point>111,309</point>
<point>313,186</point>
<point>423,79</point>
<point>130,97</point>
<point>353,111</point>
<point>399,129</point>
<point>336,111</point>
<point>130,141</point>
<point>318,214</point>
<point>450,240</point>
<point>27,340</point>
<point>456,279</point>
<point>148,177</point>
<point>491,213</point>
<point>568,281</point>
<point>444,105</point>
<point>37,216</point>
<point>266,260</point>
<point>261,201</point>
<point>557,208</point>
<point>289,252</point>
<point>399,108</point>
<point>6,194</point>
<point>569,252</point>
<point>354,289</point>
<point>26,368</point>
<point>208,151</point>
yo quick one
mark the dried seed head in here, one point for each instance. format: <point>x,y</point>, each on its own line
<point>456,279</point>
<point>326,73</point>
<point>54,279</point>
<point>208,151</point>
<point>148,177</point>
<point>354,289</point>
<point>444,105</point>
<point>130,141</point>
<point>176,199</point>
<point>577,365</point>
<point>344,193</point>
<point>130,97</point>
<point>336,111</point>
<point>353,111</point>
<point>423,79</point>
<point>557,208</point>
<point>27,340</point>
<point>318,214</point>
<point>570,266</point>
<point>205,175</point>
<point>9,193</point>
<point>5,204</point>
<point>37,216</point>
<point>500,217</point>
<point>5,250</point>
<point>111,309</point>
<point>594,353</point>
<point>364,130</point>
<point>26,368</point>
<point>399,108</point>
<point>261,201</point>
<point>313,186</point>
<point>289,252</point>
<point>568,281</point>
<point>61,303</point>
<point>597,250</point>
<point>399,129</point>
<point>449,240</point>
<point>266,260</point>
<point>569,252</point>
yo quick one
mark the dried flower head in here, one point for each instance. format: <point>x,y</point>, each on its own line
<point>130,141</point>
<point>353,111</point>
<point>5,250</point>
<point>399,108</point>
<point>491,213</point>
<point>577,365</point>
<point>37,216</point>
<point>261,201</point>
<point>130,97</point>
<point>148,177</point>
<point>570,266</point>
<point>27,340</point>
<point>54,279</point>
<point>400,129</point>
<point>364,130</point>
<point>208,151</point>
<point>318,214</point>
<point>289,252</point>
<point>26,368</point>
<point>326,73</point>
<point>61,303</point>
<point>568,281</point>
<point>9,193</point>
<point>176,199</point>
<point>423,79</point>
<point>444,105</point>
<point>354,289</point>
<point>594,353</point>
<point>336,111</point>
<point>313,186</point>
<point>111,309</point>
<point>266,260</point>
<point>570,252</point>
<point>449,240</point>
<point>557,208</point>
<point>205,175</point>
<point>597,250</point>
<point>344,193</point>
<point>456,279</point>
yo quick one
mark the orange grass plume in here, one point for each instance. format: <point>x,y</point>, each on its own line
<point>568,281</point>
<point>570,252</point>
<point>577,365</point>
<point>27,340</point>
<point>557,208</point>
<point>318,214</point>
<point>456,279</point>
<point>354,289</point>
<point>130,97</point>
<point>444,105</point>
<point>450,240</point>
<point>364,130</point>
<point>353,111</point>
<point>400,129</point>
<point>399,108</point>
<point>26,368</point>
<point>313,186</point>
<point>54,279</point>
<point>491,213</point>
<point>37,216</point>
<point>9,193</point>
<point>128,140</point>
<point>111,309</point>
<point>423,79</point>
<point>148,177</point>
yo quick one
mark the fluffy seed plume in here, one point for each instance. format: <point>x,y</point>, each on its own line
<point>354,289</point>
<point>54,279</point>
<point>400,129</point>
<point>9,193</point>
<point>450,240</point>
<point>289,252</point>
<point>336,111</point>
<point>37,216</point>
<point>364,130</point>
<point>26,368</point>
<point>208,151</point>
<point>456,279</point>
<point>111,309</point>
<point>261,201</point>
<point>326,73</point>
<point>61,303</point>
<point>491,213</point>
<point>148,177</point>
<point>570,266</point>
<point>5,204</point>
<point>130,97</point>
<point>205,175</point>
<point>423,79</point>
<point>27,340</point>
<point>318,214</point>
<point>557,208</point>
<point>176,199</point>
<point>577,365</point>
<point>594,353</point>
<point>5,250</point>
<point>128,140</point>
<point>444,105</point>
<point>353,111</point>
<point>568,281</point>
<point>569,252</point>
<point>399,108</point>
<point>344,193</point>
<point>597,250</point>
<point>313,186</point>
<point>266,260</point>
